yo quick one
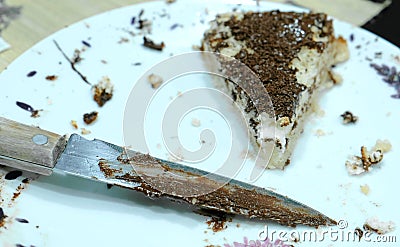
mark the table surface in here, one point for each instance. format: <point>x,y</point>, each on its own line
<point>40,18</point>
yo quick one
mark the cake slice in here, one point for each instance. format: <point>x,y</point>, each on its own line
<point>292,54</point>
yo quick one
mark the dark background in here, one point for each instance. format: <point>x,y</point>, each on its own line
<point>387,23</point>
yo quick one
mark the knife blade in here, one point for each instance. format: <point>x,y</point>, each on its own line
<point>33,149</point>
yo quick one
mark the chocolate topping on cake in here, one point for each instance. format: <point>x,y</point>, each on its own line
<point>272,40</point>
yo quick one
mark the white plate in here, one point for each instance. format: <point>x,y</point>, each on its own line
<point>68,211</point>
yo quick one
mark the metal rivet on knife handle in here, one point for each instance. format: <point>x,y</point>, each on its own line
<point>29,147</point>
<point>40,139</point>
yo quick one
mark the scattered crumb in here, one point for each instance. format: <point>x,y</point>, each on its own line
<point>155,80</point>
<point>35,113</point>
<point>196,122</point>
<point>217,224</point>
<point>348,118</point>
<point>51,77</point>
<point>320,132</point>
<point>357,165</point>
<point>365,189</point>
<point>381,227</point>
<point>17,193</point>
<point>103,91</point>
<point>2,217</point>
<point>152,45</point>
<point>383,145</point>
<point>74,124</point>
<point>170,1</point>
<point>76,57</point>
<point>359,233</point>
<point>388,114</point>
<point>85,131</point>
<point>89,118</point>
<point>123,40</point>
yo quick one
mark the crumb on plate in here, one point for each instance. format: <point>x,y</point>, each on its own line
<point>357,165</point>
<point>381,227</point>
<point>103,91</point>
<point>74,124</point>
<point>152,45</point>
<point>51,77</point>
<point>89,118</point>
<point>349,118</point>
<point>196,122</point>
<point>85,131</point>
<point>155,80</point>
<point>365,189</point>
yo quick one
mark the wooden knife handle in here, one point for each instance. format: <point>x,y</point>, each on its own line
<point>29,148</point>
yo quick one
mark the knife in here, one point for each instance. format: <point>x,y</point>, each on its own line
<point>32,149</point>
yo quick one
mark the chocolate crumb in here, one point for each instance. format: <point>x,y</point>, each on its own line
<point>217,224</point>
<point>103,91</point>
<point>348,118</point>
<point>32,73</point>
<point>89,118</point>
<point>35,113</point>
<point>20,220</point>
<point>18,192</point>
<point>51,77</point>
<point>137,64</point>
<point>13,175</point>
<point>150,44</point>
<point>109,186</point>
<point>143,23</point>
<point>359,233</point>
<point>26,180</point>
